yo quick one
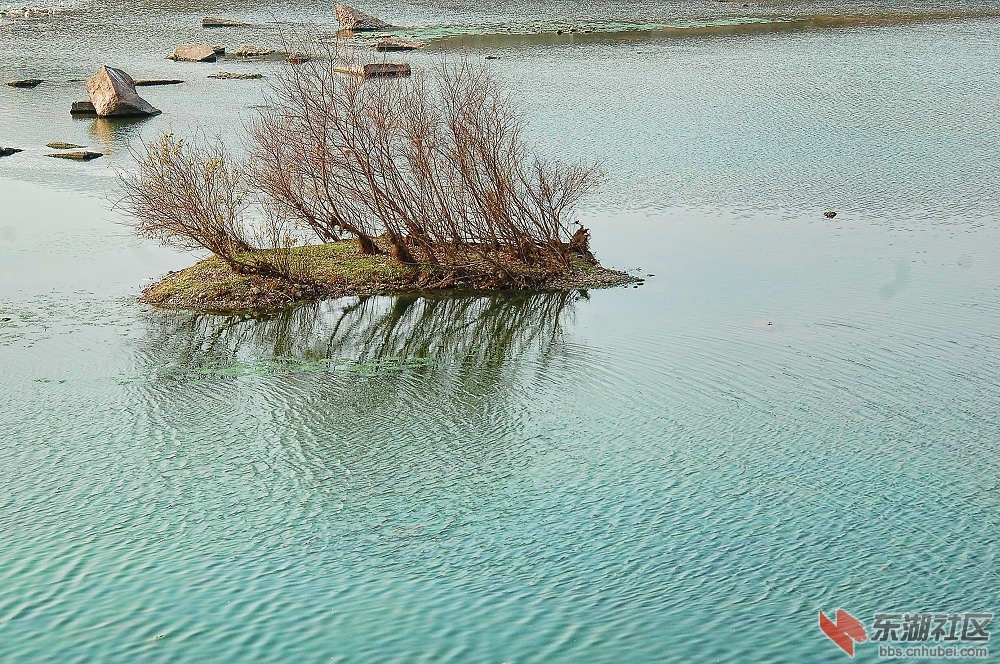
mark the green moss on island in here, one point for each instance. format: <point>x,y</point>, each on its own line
<point>338,269</point>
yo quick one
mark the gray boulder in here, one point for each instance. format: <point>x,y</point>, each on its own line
<point>112,92</point>
<point>352,19</point>
<point>6,152</point>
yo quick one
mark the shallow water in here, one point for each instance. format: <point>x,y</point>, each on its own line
<point>793,414</point>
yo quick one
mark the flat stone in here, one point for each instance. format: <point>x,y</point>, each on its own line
<point>146,82</point>
<point>81,155</point>
<point>357,21</point>
<point>82,108</point>
<point>234,75</point>
<point>25,83</point>
<point>251,52</point>
<point>112,92</point>
<point>193,53</point>
<point>393,44</point>
<point>377,70</point>
<point>213,22</point>
<point>6,152</point>
<point>59,145</point>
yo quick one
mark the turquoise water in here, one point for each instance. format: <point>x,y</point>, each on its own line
<point>793,414</point>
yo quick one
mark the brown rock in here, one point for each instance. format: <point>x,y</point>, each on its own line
<point>60,145</point>
<point>193,53</point>
<point>82,108</point>
<point>351,19</point>
<point>112,92</point>
<point>393,44</point>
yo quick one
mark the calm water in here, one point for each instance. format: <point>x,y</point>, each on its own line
<point>793,414</point>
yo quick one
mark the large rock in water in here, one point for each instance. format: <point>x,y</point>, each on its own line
<point>193,53</point>
<point>351,19</point>
<point>112,92</point>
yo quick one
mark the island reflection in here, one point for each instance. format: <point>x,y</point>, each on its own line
<point>474,340</point>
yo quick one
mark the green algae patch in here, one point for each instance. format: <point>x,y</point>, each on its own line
<point>338,269</point>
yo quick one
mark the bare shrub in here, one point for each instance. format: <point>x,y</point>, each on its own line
<point>435,165</point>
<point>195,196</point>
<point>432,170</point>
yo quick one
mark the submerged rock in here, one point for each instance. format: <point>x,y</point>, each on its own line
<point>393,44</point>
<point>377,69</point>
<point>6,152</point>
<point>82,108</point>
<point>25,83</point>
<point>193,53</point>
<point>59,145</point>
<point>251,52</point>
<point>234,75</point>
<point>298,58</point>
<point>112,93</point>
<point>146,82</point>
<point>81,155</point>
<point>352,19</point>
<point>213,22</point>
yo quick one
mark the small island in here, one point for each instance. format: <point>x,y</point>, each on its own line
<point>339,269</point>
<point>358,186</point>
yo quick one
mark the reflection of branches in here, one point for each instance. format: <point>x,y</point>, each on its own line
<point>469,338</point>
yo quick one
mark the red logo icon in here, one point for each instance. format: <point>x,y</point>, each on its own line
<point>845,631</point>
